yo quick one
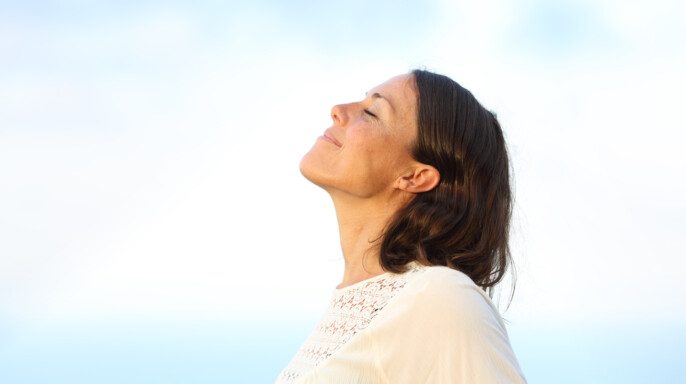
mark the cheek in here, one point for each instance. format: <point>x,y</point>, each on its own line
<point>357,141</point>
<point>377,153</point>
<point>370,138</point>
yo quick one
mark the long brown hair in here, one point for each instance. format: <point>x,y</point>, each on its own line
<point>463,222</point>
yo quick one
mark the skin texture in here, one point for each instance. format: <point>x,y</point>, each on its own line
<point>364,162</point>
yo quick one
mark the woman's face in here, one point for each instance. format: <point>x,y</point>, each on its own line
<point>368,146</point>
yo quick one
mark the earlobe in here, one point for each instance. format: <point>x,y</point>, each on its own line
<point>421,179</point>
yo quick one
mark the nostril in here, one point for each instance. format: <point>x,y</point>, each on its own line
<point>336,113</point>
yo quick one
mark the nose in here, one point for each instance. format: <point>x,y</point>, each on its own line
<point>338,114</point>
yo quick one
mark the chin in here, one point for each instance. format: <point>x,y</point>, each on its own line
<point>311,169</point>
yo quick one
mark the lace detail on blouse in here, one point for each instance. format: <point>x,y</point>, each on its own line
<point>351,310</point>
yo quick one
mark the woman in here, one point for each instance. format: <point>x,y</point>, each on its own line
<point>418,173</point>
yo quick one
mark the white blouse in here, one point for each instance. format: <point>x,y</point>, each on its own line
<point>428,325</point>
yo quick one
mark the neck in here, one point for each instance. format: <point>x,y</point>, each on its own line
<point>361,223</point>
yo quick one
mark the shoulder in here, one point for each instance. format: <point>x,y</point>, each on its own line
<point>452,294</point>
<point>438,275</point>
<point>451,333</point>
<point>441,282</point>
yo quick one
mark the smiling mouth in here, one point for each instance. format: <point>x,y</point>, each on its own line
<point>331,140</point>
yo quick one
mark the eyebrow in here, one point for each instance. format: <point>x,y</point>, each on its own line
<point>377,95</point>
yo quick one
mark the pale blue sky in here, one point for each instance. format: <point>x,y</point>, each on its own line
<point>149,152</point>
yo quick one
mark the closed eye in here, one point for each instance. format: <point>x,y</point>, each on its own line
<point>369,113</point>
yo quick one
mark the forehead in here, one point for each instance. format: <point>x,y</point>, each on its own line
<point>399,91</point>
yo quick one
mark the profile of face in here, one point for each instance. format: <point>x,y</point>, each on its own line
<point>367,150</point>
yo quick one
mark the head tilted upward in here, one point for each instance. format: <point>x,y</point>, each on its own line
<point>418,170</point>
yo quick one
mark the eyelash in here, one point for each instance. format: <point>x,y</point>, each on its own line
<point>369,113</point>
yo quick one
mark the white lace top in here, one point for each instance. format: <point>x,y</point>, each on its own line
<point>427,325</point>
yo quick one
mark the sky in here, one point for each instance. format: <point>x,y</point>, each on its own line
<point>149,155</point>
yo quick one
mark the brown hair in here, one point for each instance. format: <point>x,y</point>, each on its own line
<point>463,222</point>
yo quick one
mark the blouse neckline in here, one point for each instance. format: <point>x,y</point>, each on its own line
<point>411,265</point>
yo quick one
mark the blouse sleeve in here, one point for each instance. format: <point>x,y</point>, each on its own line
<point>445,330</point>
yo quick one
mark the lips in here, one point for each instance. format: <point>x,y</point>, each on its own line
<point>331,138</point>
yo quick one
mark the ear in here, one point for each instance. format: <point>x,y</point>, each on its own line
<point>420,178</point>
